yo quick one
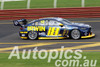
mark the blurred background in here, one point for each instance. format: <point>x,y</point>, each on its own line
<point>27,4</point>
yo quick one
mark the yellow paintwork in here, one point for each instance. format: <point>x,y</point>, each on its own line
<point>23,32</point>
<point>49,31</point>
<point>52,37</point>
<point>57,31</point>
<point>24,37</point>
<point>89,36</point>
<point>61,25</point>
<point>65,37</point>
<point>52,31</point>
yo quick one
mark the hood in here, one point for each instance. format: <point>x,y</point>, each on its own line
<point>79,25</point>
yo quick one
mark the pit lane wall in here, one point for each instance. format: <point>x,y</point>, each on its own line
<point>87,12</point>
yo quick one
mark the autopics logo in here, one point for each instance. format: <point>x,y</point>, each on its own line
<point>62,58</point>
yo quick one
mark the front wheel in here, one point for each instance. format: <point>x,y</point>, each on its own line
<point>75,34</point>
<point>32,35</point>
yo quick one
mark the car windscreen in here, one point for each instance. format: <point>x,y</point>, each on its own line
<point>64,21</point>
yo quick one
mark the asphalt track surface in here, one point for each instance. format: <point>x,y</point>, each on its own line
<point>9,37</point>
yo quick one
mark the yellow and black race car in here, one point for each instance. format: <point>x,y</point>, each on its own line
<point>53,28</point>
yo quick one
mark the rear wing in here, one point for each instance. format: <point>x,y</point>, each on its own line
<point>20,22</point>
<point>16,23</point>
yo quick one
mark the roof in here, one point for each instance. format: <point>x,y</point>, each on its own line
<point>56,18</point>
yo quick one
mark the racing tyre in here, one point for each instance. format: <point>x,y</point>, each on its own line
<point>32,35</point>
<point>75,34</point>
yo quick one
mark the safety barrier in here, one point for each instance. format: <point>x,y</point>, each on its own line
<point>87,12</point>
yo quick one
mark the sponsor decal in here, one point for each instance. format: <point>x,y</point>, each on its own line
<point>42,33</point>
<point>36,28</point>
<point>53,31</point>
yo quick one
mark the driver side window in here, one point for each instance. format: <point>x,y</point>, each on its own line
<point>43,22</point>
<point>53,22</point>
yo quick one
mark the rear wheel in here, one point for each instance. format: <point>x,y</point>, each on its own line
<point>32,35</point>
<point>75,34</point>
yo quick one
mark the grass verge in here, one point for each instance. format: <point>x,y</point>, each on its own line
<point>5,62</point>
<point>50,3</point>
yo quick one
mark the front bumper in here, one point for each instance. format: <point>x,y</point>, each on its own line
<point>89,36</point>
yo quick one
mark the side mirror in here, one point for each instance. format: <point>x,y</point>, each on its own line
<point>61,25</point>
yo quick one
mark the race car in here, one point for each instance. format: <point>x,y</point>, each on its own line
<point>53,28</point>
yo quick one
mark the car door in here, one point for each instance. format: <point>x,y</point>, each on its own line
<point>54,28</point>
<point>42,25</point>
